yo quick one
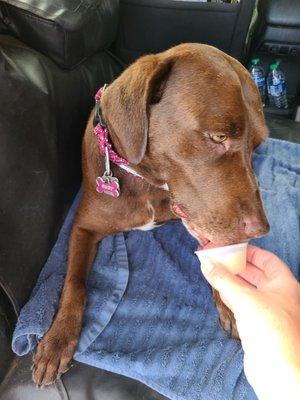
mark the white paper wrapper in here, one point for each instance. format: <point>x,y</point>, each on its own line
<point>232,257</point>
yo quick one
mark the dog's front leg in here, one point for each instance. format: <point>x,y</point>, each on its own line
<point>227,319</point>
<point>55,351</point>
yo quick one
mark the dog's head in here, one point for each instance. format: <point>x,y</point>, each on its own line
<point>190,117</point>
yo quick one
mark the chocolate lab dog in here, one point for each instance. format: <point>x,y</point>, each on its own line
<point>186,121</point>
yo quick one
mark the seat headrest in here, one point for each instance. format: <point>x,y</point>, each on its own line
<point>67,31</point>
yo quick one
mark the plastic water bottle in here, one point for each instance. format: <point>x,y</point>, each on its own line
<point>258,75</point>
<point>276,87</point>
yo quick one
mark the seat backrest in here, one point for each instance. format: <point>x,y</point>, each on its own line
<point>67,31</point>
<point>151,26</point>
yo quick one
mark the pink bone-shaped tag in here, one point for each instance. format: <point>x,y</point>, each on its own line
<point>112,188</point>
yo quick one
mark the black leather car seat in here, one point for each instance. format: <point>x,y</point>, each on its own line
<point>53,57</point>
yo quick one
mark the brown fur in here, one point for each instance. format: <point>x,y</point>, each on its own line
<point>161,113</point>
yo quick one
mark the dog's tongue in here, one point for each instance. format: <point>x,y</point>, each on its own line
<point>206,246</point>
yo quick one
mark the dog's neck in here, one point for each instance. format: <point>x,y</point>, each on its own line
<point>106,149</point>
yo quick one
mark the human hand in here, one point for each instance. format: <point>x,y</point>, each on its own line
<point>265,300</point>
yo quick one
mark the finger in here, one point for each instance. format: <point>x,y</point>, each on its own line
<point>266,261</point>
<point>254,276</point>
<point>259,257</point>
<point>231,287</point>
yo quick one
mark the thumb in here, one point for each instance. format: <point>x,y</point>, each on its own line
<point>231,287</point>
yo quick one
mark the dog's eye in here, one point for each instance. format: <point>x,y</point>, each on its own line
<point>219,138</point>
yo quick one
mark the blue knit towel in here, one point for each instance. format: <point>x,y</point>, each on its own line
<point>150,313</point>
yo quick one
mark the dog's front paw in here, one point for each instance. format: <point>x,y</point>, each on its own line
<point>227,319</point>
<point>53,356</point>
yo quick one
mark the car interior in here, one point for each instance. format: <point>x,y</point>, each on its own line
<point>54,56</point>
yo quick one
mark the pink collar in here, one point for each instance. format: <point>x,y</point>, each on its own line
<point>101,133</point>
<point>107,183</point>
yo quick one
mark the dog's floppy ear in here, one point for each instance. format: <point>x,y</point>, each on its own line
<point>126,102</point>
<point>253,103</point>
